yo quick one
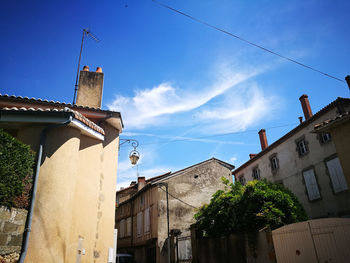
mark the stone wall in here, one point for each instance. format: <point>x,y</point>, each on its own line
<point>12,223</point>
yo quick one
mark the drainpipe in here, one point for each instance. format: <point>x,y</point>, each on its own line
<point>35,184</point>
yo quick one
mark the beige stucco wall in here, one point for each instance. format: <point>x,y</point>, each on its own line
<point>75,195</point>
<point>291,167</point>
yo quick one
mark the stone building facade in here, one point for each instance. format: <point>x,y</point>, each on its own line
<point>306,163</point>
<point>142,219</point>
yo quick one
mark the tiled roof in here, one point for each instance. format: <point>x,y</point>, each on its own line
<point>75,114</point>
<point>56,104</point>
<point>333,121</point>
<point>41,101</point>
<point>325,109</point>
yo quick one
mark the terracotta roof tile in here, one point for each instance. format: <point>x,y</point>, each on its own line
<point>332,121</point>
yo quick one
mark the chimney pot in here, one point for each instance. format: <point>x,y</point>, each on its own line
<point>300,119</point>
<point>252,155</point>
<point>263,139</point>
<point>99,69</point>
<point>305,104</point>
<point>86,68</point>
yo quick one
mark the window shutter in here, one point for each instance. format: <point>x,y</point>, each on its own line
<point>311,184</point>
<point>139,224</point>
<point>147,220</point>
<point>337,176</point>
<point>128,226</point>
<point>122,228</point>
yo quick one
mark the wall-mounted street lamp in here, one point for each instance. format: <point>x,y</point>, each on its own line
<point>134,155</point>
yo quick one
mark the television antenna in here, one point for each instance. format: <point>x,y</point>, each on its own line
<point>87,32</point>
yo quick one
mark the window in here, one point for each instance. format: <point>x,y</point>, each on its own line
<point>274,162</point>
<point>302,147</point>
<point>337,177</point>
<point>241,179</point>
<point>311,185</point>
<point>122,228</point>
<point>256,173</point>
<point>324,137</point>
<point>128,227</point>
<point>147,221</point>
<point>139,224</point>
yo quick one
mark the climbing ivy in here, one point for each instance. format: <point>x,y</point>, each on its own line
<point>247,209</point>
<point>16,162</point>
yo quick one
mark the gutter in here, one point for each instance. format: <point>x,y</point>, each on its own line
<point>35,184</point>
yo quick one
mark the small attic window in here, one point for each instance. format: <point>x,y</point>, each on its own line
<point>195,177</point>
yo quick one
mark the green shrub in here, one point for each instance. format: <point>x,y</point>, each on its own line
<point>16,162</point>
<point>247,209</point>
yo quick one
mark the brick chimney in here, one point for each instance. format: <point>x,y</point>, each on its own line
<point>252,155</point>
<point>263,139</point>
<point>141,182</point>
<point>90,88</point>
<point>305,104</point>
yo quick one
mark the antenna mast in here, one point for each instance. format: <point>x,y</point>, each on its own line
<point>86,32</point>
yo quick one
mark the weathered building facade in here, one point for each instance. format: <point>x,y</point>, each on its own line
<point>73,217</point>
<point>142,219</point>
<point>306,163</point>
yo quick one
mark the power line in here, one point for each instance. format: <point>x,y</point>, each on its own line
<point>246,41</point>
<point>178,199</point>
<point>218,135</point>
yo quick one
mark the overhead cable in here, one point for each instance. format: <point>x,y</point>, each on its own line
<point>246,41</point>
<point>178,198</point>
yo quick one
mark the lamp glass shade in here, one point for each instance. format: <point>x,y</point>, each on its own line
<point>134,158</point>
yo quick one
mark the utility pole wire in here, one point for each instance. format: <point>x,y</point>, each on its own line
<point>246,41</point>
<point>178,199</point>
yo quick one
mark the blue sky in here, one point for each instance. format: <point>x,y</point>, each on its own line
<point>180,85</point>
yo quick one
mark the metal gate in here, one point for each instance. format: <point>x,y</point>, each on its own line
<point>319,240</point>
<point>183,249</point>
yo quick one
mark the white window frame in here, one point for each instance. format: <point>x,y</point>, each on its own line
<point>312,189</point>
<point>336,174</point>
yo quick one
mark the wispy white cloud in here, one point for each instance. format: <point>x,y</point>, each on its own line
<point>245,105</point>
<point>168,139</point>
<point>152,107</point>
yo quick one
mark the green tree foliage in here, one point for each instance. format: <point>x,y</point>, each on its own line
<point>249,208</point>
<point>16,162</point>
